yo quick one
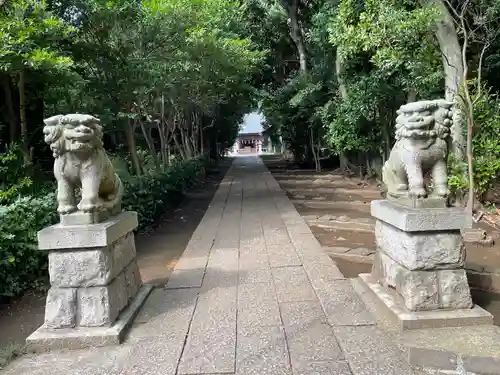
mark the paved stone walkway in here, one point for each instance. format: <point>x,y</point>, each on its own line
<point>252,294</point>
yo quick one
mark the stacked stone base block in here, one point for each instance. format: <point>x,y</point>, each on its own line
<point>424,267</point>
<point>418,270</point>
<point>90,285</point>
<point>390,305</point>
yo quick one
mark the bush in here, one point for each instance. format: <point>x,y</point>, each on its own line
<point>23,267</point>
<point>154,191</point>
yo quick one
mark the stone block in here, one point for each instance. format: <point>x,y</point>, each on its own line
<point>123,252</point>
<point>419,220</point>
<point>80,268</point>
<point>454,292</point>
<point>60,308</point>
<point>100,305</point>
<point>91,267</point>
<point>133,281</point>
<point>47,339</point>
<point>388,303</point>
<point>424,290</point>
<point>419,289</point>
<point>421,250</point>
<point>63,237</point>
<point>86,218</point>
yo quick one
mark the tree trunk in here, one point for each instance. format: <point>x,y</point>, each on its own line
<point>132,147</point>
<point>412,96</point>
<point>296,34</point>
<point>317,165</point>
<point>22,116</point>
<point>9,108</point>
<point>150,143</point>
<point>179,147</point>
<point>451,52</point>
<point>339,71</point>
<point>344,161</point>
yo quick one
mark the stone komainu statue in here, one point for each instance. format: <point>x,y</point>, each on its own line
<point>422,139</point>
<point>81,162</point>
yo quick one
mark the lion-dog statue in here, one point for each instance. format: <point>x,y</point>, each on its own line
<point>81,163</point>
<point>422,141</point>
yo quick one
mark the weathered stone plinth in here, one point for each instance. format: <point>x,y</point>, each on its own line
<point>419,265</point>
<point>94,278</point>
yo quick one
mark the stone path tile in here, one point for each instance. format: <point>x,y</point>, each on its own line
<point>310,338</point>
<point>292,284</point>
<point>370,352</point>
<point>262,351</point>
<point>322,368</point>
<point>166,314</point>
<point>257,306</point>
<point>342,305</point>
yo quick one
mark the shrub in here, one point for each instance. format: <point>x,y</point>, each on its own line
<point>155,190</point>
<point>23,267</point>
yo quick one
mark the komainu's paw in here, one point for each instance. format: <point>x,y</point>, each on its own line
<point>65,209</point>
<point>442,191</point>
<point>87,206</point>
<point>417,193</point>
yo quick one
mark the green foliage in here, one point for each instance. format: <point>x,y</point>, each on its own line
<point>22,266</point>
<point>29,32</point>
<point>14,177</point>
<point>398,36</point>
<point>155,191</point>
<point>485,143</point>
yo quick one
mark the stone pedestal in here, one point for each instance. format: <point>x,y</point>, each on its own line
<point>96,288</point>
<point>419,265</point>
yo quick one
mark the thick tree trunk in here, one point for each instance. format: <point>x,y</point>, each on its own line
<point>451,52</point>
<point>296,34</point>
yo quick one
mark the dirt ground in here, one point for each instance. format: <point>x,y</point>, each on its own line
<point>157,252</point>
<point>337,209</point>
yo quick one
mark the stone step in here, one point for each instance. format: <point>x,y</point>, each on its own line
<point>342,223</point>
